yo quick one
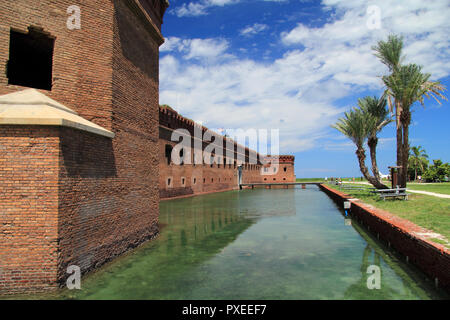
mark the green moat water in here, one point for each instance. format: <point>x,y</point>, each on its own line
<point>255,244</point>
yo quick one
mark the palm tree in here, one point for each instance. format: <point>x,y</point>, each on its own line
<point>404,86</point>
<point>418,158</point>
<point>377,109</point>
<point>390,53</point>
<point>356,126</point>
<point>407,86</point>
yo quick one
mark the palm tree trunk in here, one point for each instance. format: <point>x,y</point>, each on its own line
<point>405,120</point>
<point>372,143</point>
<point>361,154</point>
<point>399,151</point>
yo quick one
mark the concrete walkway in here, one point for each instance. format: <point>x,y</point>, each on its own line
<point>434,194</point>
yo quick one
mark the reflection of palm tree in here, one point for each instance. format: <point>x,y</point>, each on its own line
<point>412,285</point>
<point>360,291</point>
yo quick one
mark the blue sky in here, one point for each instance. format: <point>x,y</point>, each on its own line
<point>296,66</point>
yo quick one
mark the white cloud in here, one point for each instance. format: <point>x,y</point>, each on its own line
<point>197,48</point>
<point>199,8</point>
<point>297,93</point>
<point>254,29</point>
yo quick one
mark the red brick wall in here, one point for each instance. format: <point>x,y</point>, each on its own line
<point>207,178</point>
<point>105,196</point>
<point>98,219</point>
<point>28,208</point>
<point>431,258</point>
<point>284,172</point>
<point>82,73</point>
<point>215,178</point>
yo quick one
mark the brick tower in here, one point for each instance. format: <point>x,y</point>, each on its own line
<point>279,169</point>
<point>78,135</point>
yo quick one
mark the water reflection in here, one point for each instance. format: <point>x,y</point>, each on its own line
<point>255,244</point>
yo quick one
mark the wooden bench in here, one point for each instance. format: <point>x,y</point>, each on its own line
<point>392,193</point>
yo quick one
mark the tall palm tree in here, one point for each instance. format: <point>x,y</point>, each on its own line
<point>356,126</point>
<point>418,158</point>
<point>404,86</point>
<point>377,109</point>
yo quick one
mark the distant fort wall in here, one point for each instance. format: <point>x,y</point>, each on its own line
<point>196,176</point>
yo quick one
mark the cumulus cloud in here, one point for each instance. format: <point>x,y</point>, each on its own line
<point>299,92</point>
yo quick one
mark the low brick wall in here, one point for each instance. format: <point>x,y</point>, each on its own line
<point>403,236</point>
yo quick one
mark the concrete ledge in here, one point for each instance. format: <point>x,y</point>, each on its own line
<point>30,107</point>
<point>402,235</point>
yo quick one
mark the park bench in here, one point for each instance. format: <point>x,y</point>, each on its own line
<point>392,193</point>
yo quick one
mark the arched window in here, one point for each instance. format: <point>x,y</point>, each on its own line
<point>285,169</point>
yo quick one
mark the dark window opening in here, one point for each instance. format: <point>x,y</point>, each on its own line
<point>30,59</point>
<point>169,153</point>
<point>168,182</point>
<point>204,180</point>
<point>285,169</point>
<point>182,181</point>
<point>195,180</point>
<point>181,156</point>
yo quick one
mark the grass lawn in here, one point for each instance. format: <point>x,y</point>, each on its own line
<point>443,187</point>
<point>426,211</point>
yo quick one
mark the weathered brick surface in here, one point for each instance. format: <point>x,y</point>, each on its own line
<point>403,236</point>
<point>82,60</point>
<point>28,208</point>
<point>71,197</point>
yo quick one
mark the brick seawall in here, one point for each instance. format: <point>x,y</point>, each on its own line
<point>403,236</point>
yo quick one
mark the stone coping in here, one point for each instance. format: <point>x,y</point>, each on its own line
<point>31,107</point>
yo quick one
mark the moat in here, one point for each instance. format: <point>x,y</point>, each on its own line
<point>255,244</point>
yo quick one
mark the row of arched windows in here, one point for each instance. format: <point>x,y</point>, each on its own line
<point>220,163</point>
<point>183,180</point>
